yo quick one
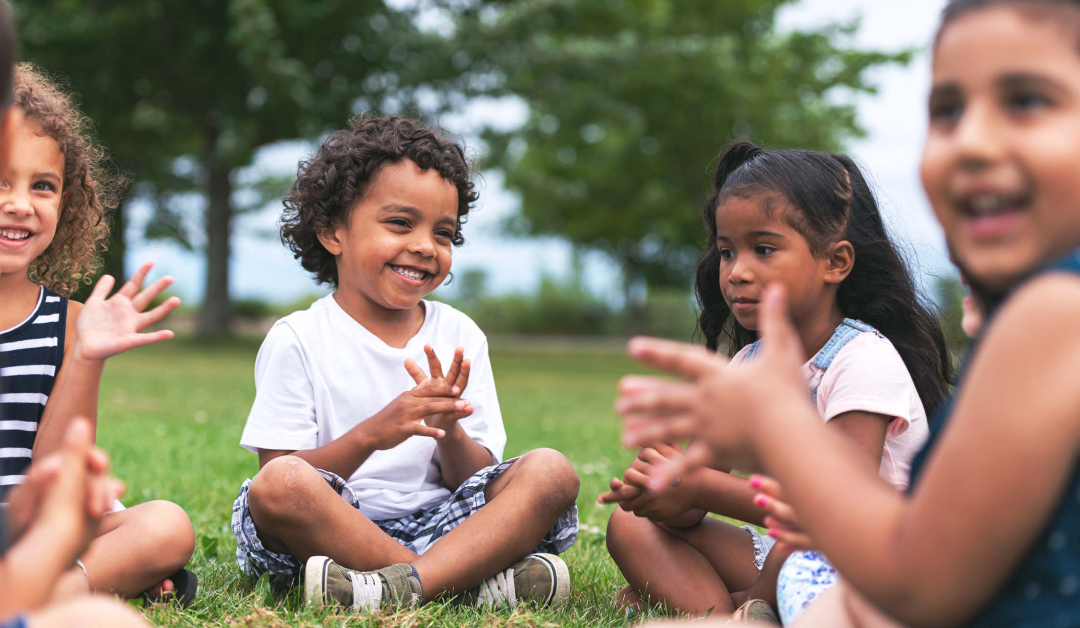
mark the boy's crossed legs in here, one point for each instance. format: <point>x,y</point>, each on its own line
<point>296,512</point>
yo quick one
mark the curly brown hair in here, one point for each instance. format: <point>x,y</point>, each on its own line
<point>329,184</point>
<point>90,188</point>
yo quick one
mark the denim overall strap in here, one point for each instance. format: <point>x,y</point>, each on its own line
<point>845,333</point>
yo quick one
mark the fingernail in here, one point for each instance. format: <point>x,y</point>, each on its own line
<point>460,405</point>
<point>456,390</point>
<point>760,501</point>
<point>755,481</point>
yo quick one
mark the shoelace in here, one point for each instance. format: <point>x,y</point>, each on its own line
<point>498,590</point>
<point>366,588</point>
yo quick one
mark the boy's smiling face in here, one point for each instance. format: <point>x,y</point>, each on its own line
<point>394,248</point>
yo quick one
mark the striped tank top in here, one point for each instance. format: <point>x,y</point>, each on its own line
<point>30,356</point>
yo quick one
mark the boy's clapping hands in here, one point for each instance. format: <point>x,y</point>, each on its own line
<point>457,378</point>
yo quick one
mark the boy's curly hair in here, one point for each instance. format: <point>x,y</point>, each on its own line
<point>89,187</point>
<point>329,184</point>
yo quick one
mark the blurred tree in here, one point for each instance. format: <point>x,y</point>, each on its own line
<point>184,92</point>
<point>630,101</point>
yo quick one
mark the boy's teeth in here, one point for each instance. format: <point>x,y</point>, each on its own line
<point>989,203</point>
<point>15,234</point>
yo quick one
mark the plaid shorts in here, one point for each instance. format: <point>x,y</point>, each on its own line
<point>417,531</point>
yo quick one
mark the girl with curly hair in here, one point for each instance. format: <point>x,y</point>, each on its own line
<point>54,191</point>
<point>386,481</point>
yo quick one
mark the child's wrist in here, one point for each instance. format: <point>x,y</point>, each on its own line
<point>78,354</point>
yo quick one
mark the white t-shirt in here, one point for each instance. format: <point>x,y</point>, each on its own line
<point>868,375</point>
<point>319,373</point>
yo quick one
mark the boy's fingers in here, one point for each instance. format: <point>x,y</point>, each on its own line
<point>433,363</point>
<point>132,285</point>
<point>674,357</point>
<point>143,299</point>
<point>419,429</point>
<point>415,371</point>
<point>779,337</point>
<point>439,406</point>
<point>463,378</point>
<point>455,365</point>
<point>434,388</point>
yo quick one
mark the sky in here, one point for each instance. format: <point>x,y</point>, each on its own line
<point>894,119</point>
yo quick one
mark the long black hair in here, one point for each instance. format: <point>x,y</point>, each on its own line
<point>830,201</point>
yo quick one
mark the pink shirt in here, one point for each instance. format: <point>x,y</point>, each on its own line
<point>868,375</point>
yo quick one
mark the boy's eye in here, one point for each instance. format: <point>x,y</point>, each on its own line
<point>44,186</point>
<point>444,233</point>
<point>400,222</point>
<point>764,249</point>
<point>726,254</point>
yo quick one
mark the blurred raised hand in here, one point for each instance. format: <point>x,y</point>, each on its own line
<point>716,405</point>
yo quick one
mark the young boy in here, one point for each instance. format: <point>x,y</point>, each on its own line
<point>385,481</point>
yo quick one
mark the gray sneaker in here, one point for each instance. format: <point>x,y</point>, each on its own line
<point>540,578</point>
<point>327,583</point>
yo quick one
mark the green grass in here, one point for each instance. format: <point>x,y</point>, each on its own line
<point>171,417</point>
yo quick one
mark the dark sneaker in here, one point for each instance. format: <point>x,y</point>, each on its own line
<point>327,583</point>
<point>540,578</point>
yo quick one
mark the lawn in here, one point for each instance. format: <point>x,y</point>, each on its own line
<point>171,417</point>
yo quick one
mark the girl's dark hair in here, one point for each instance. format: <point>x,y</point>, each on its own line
<point>329,184</point>
<point>830,201</point>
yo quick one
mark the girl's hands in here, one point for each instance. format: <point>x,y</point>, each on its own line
<point>405,415</point>
<point>721,407</point>
<point>781,520</point>
<point>457,378</point>
<point>633,494</point>
<point>108,325</point>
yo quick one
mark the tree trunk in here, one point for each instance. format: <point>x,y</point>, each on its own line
<point>215,315</point>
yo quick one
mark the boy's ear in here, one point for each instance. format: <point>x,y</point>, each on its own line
<point>841,259</point>
<point>330,237</point>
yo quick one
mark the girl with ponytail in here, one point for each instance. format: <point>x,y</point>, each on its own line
<point>878,365</point>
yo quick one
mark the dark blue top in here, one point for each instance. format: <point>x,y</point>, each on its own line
<point>1044,589</point>
<point>30,356</point>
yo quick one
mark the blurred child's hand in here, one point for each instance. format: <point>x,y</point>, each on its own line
<point>457,378</point>
<point>781,520</point>
<point>405,415</point>
<point>108,325</point>
<point>718,406</point>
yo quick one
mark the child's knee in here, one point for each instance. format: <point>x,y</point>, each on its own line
<point>619,529</point>
<point>275,488</point>
<point>557,477</point>
<point>173,533</point>
<point>88,611</point>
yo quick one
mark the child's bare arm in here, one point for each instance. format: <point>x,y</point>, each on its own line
<point>103,327</point>
<point>400,419</point>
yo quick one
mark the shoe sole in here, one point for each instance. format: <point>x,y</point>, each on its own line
<point>560,586</point>
<point>315,580</point>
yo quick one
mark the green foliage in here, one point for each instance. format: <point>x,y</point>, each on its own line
<point>630,101</point>
<point>184,92</point>
<point>171,417</point>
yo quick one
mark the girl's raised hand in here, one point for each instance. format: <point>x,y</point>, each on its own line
<point>108,325</point>
<point>718,406</point>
